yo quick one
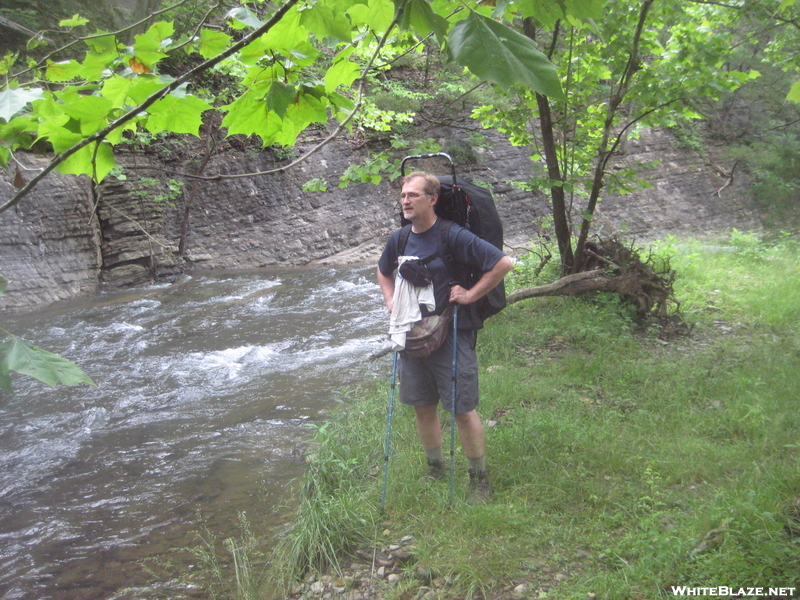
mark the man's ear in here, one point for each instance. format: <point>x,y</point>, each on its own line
<point>434,199</point>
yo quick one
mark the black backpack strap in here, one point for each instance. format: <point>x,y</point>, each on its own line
<point>457,274</point>
<point>444,243</point>
<point>402,239</point>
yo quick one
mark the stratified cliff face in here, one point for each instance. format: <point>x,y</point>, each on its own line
<point>49,242</point>
<point>60,242</point>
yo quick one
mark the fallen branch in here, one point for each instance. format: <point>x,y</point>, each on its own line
<point>577,283</point>
<point>729,180</point>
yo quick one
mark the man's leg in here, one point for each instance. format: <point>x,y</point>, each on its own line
<point>428,427</point>
<point>470,432</point>
<point>430,434</point>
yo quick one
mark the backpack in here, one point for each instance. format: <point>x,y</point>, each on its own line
<point>473,208</point>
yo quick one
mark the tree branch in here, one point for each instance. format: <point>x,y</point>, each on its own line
<point>575,283</point>
<point>95,36</point>
<point>603,151</point>
<point>100,135</point>
<point>329,138</point>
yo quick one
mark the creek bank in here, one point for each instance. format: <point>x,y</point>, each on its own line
<point>63,241</point>
<point>377,573</point>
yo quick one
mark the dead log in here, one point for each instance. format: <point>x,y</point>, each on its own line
<point>571,285</point>
<point>615,268</point>
<point>646,295</point>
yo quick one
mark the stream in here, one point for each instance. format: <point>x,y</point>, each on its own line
<point>205,392</point>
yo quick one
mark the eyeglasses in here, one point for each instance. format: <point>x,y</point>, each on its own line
<point>412,195</point>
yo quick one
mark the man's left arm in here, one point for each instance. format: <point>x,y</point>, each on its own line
<point>484,285</point>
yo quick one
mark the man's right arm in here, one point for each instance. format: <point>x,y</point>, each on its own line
<point>387,288</point>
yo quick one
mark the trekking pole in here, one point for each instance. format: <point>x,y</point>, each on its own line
<point>389,431</point>
<point>453,405</point>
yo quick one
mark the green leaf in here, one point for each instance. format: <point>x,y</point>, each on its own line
<point>280,97</point>
<point>148,46</point>
<point>80,163</point>
<point>5,380</point>
<point>786,4</point>
<point>286,34</point>
<point>115,89</point>
<point>178,115</point>
<point>3,285</point>
<point>52,369</point>
<point>91,112</point>
<point>545,12</point>
<point>63,71</point>
<point>794,93</point>
<point>212,43</point>
<point>13,101</point>
<point>248,115</point>
<point>143,87</point>
<point>306,110</point>
<point>377,14</point>
<point>342,102</point>
<point>75,21</point>
<point>495,52</point>
<point>585,9</point>
<point>245,17</point>
<point>343,73</point>
<point>326,21</point>
<point>419,16</point>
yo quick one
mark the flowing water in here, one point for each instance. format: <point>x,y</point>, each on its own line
<point>205,390</point>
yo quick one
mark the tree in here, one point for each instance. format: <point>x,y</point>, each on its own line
<point>295,69</point>
<point>609,67</point>
<point>644,63</point>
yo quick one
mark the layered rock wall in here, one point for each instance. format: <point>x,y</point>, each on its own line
<point>60,242</point>
<point>49,242</point>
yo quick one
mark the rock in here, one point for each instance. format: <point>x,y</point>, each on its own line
<point>55,246</point>
<point>317,587</point>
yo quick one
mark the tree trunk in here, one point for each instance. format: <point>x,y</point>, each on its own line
<point>560,220</point>
<point>211,143</point>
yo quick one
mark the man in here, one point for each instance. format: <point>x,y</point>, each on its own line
<point>424,382</point>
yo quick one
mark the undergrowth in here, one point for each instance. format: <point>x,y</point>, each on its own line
<point>622,463</point>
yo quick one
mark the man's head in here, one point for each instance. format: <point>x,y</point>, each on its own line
<point>418,198</point>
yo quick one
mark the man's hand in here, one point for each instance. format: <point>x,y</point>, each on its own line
<point>489,280</point>
<point>459,295</point>
<point>386,283</point>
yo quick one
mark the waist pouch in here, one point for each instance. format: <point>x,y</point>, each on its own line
<point>427,335</point>
<point>416,272</point>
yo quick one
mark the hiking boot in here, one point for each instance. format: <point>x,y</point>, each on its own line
<point>479,488</point>
<point>436,471</point>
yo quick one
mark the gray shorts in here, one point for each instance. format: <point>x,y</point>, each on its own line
<point>426,381</point>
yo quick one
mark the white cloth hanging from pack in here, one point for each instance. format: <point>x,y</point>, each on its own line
<point>406,306</point>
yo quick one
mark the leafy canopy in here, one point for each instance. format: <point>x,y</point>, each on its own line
<point>296,65</point>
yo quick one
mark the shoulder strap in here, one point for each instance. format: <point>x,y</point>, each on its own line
<point>402,239</point>
<point>444,243</point>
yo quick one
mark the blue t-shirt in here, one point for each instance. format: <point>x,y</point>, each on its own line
<point>468,250</point>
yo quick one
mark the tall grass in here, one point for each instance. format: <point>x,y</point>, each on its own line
<point>622,463</point>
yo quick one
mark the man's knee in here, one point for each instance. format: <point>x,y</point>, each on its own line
<point>426,412</point>
<point>469,418</point>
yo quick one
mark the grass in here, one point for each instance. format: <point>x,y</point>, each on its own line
<point>622,464</point>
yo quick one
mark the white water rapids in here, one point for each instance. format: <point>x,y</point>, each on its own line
<point>204,392</point>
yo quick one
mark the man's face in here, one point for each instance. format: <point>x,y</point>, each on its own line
<point>414,201</point>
